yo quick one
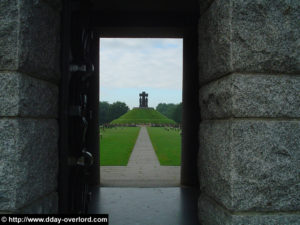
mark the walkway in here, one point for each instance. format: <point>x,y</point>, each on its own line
<point>142,170</point>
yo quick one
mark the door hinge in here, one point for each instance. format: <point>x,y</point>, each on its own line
<point>76,68</point>
<point>82,68</point>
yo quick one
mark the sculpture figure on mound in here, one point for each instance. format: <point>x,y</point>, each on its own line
<point>143,100</point>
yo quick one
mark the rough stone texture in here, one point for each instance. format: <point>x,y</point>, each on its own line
<point>28,161</point>
<point>251,164</point>
<point>249,36</point>
<point>210,213</point>
<point>22,95</point>
<point>265,35</point>
<point>240,95</point>
<point>250,167</point>
<point>39,39</point>
<point>214,41</point>
<point>29,35</point>
<point>46,205</point>
<point>204,5</point>
<point>9,22</point>
<point>29,44</point>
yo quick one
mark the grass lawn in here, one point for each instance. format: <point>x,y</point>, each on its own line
<point>167,145</point>
<point>116,145</point>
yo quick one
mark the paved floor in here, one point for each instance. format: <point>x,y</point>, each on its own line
<point>146,206</point>
<point>143,169</point>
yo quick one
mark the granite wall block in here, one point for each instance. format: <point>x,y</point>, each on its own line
<point>251,165</point>
<point>247,95</point>
<point>29,160</point>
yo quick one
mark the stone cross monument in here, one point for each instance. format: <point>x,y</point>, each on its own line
<point>143,100</point>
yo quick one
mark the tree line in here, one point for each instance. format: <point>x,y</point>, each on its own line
<point>108,112</point>
<point>170,110</point>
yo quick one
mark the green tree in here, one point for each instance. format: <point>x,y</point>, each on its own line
<point>116,110</point>
<point>166,109</point>
<point>177,113</point>
<point>103,112</point>
<point>109,112</point>
<point>162,108</point>
<point>170,110</point>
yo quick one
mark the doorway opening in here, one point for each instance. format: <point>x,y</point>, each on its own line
<point>83,28</point>
<point>178,204</point>
<point>140,111</point>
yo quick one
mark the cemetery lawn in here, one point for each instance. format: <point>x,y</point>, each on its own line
<point>116,145</point>
<point>167,145</point>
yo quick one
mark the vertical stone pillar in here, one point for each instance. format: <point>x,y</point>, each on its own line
<point>29,79</point>
<point>249,156</point>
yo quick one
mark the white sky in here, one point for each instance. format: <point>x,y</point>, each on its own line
<point>129,66</point>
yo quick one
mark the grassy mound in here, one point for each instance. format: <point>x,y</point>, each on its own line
<point>143,116</point>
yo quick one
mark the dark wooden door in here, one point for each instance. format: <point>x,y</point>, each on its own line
<point>79,109</point>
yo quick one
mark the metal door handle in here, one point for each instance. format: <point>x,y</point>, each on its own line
<point>86,159</point>
<point>89,159</point>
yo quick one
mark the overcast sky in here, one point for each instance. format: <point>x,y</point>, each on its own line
<point>129,66</point>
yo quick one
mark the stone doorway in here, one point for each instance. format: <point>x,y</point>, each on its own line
<point>184,197</point>
<point>152,24</point>
<point>191,110</point>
